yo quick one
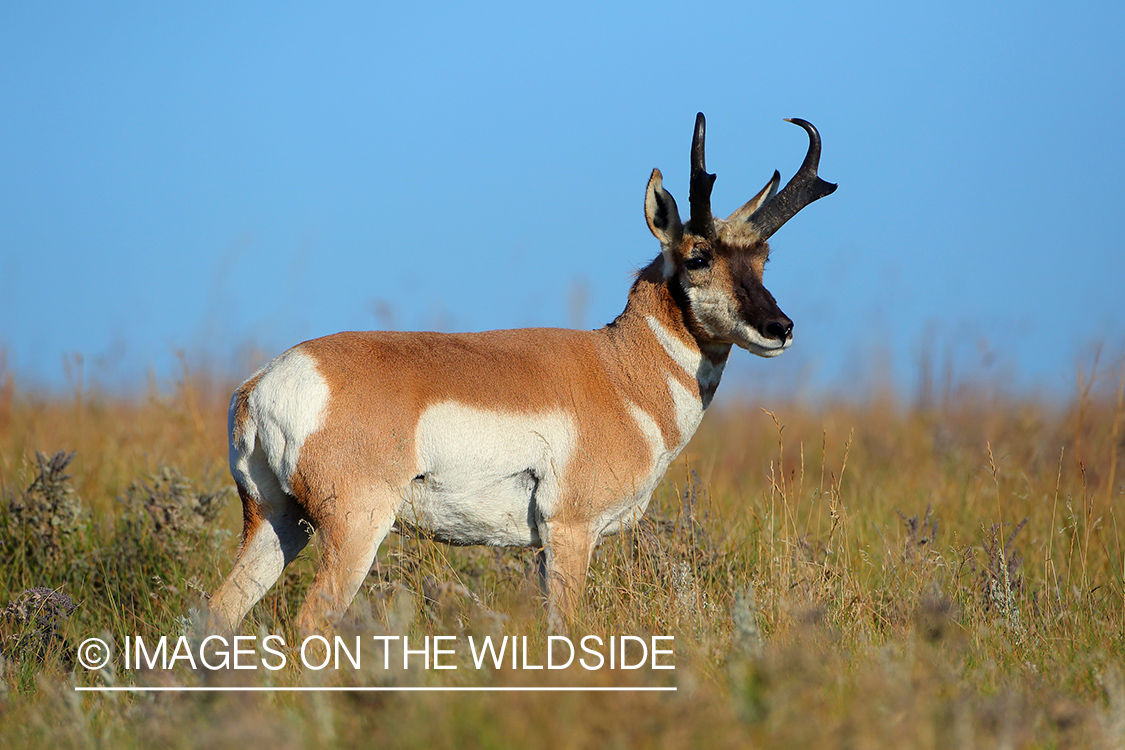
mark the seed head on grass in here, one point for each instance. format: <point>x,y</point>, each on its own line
<point>920,534</point>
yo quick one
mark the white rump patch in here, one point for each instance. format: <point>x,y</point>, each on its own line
<point>287,404</point>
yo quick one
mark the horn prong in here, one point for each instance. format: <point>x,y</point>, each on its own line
<point>805,187</point>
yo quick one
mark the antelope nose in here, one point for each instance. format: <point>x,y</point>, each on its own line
<point>781,330</point>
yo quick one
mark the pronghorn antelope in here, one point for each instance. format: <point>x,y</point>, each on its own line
<point>538,437</point>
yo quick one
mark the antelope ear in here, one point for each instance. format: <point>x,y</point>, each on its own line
<point>661,213</point>
<point>759,200</point>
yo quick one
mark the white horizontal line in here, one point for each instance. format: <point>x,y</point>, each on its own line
<point>263,689</point>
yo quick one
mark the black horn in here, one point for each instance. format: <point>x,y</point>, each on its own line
<point>803,189</point>
<point>699,193</point>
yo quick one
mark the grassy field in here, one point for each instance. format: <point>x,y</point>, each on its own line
<point>868,574</point>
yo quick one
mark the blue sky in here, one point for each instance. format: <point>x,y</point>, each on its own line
<point>213,179</point>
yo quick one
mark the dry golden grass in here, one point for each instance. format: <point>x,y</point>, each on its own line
<point>836,575</point>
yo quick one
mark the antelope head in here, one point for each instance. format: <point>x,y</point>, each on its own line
<point>714,266</point>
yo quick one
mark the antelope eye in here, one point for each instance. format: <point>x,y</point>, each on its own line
<point>697,263</point>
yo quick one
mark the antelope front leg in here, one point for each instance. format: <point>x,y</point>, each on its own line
<point>567,549</point>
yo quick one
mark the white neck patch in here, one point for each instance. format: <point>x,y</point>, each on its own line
<point>688,411</point>
<point>685,356</point>
<point>691,360</point>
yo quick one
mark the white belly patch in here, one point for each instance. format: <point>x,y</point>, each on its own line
<point>487,477</point>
